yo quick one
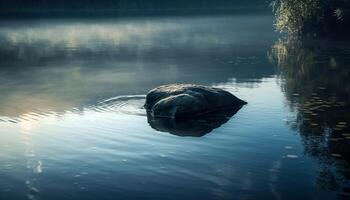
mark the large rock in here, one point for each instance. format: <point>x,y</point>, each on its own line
<point>189,101</point>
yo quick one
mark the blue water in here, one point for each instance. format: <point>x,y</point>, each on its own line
<point>72,124</point>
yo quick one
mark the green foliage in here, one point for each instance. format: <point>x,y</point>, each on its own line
<point>312,17</point>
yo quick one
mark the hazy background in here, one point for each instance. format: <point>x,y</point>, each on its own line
<point>20,8</point>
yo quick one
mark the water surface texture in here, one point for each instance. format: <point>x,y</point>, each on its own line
<point>72,124</point>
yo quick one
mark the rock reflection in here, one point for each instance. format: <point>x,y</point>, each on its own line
<point>315,79</point>
<point>197,127</point>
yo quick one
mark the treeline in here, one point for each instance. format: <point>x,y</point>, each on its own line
<point>313,17</point>
<point>124,4</point>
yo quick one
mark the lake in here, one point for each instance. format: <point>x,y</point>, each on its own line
<point>72,123</point>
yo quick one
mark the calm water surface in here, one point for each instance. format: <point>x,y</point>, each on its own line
<point>72,124</point>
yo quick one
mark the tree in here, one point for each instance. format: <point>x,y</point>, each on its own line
<point>312,17</point>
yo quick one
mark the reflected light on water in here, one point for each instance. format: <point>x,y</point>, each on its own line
<point>26,126</point>
<point>72,121</point>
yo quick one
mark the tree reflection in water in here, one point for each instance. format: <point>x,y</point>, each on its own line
<point>314,76</point>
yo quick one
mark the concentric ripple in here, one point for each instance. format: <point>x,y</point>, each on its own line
<point>128,104</point>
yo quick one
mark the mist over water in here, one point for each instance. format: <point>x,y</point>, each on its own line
<point>72,123</point>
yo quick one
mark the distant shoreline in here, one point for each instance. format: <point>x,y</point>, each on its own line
<point>82,13</point>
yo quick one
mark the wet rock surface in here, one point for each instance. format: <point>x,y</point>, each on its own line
<point>185,101</point>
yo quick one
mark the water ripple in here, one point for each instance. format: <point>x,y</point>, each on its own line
<point>128,104</point>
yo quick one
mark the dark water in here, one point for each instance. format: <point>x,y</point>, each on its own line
<point>72,124</point>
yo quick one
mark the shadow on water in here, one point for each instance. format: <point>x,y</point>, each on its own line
<point>314,76</point>
<point>197,127</point>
